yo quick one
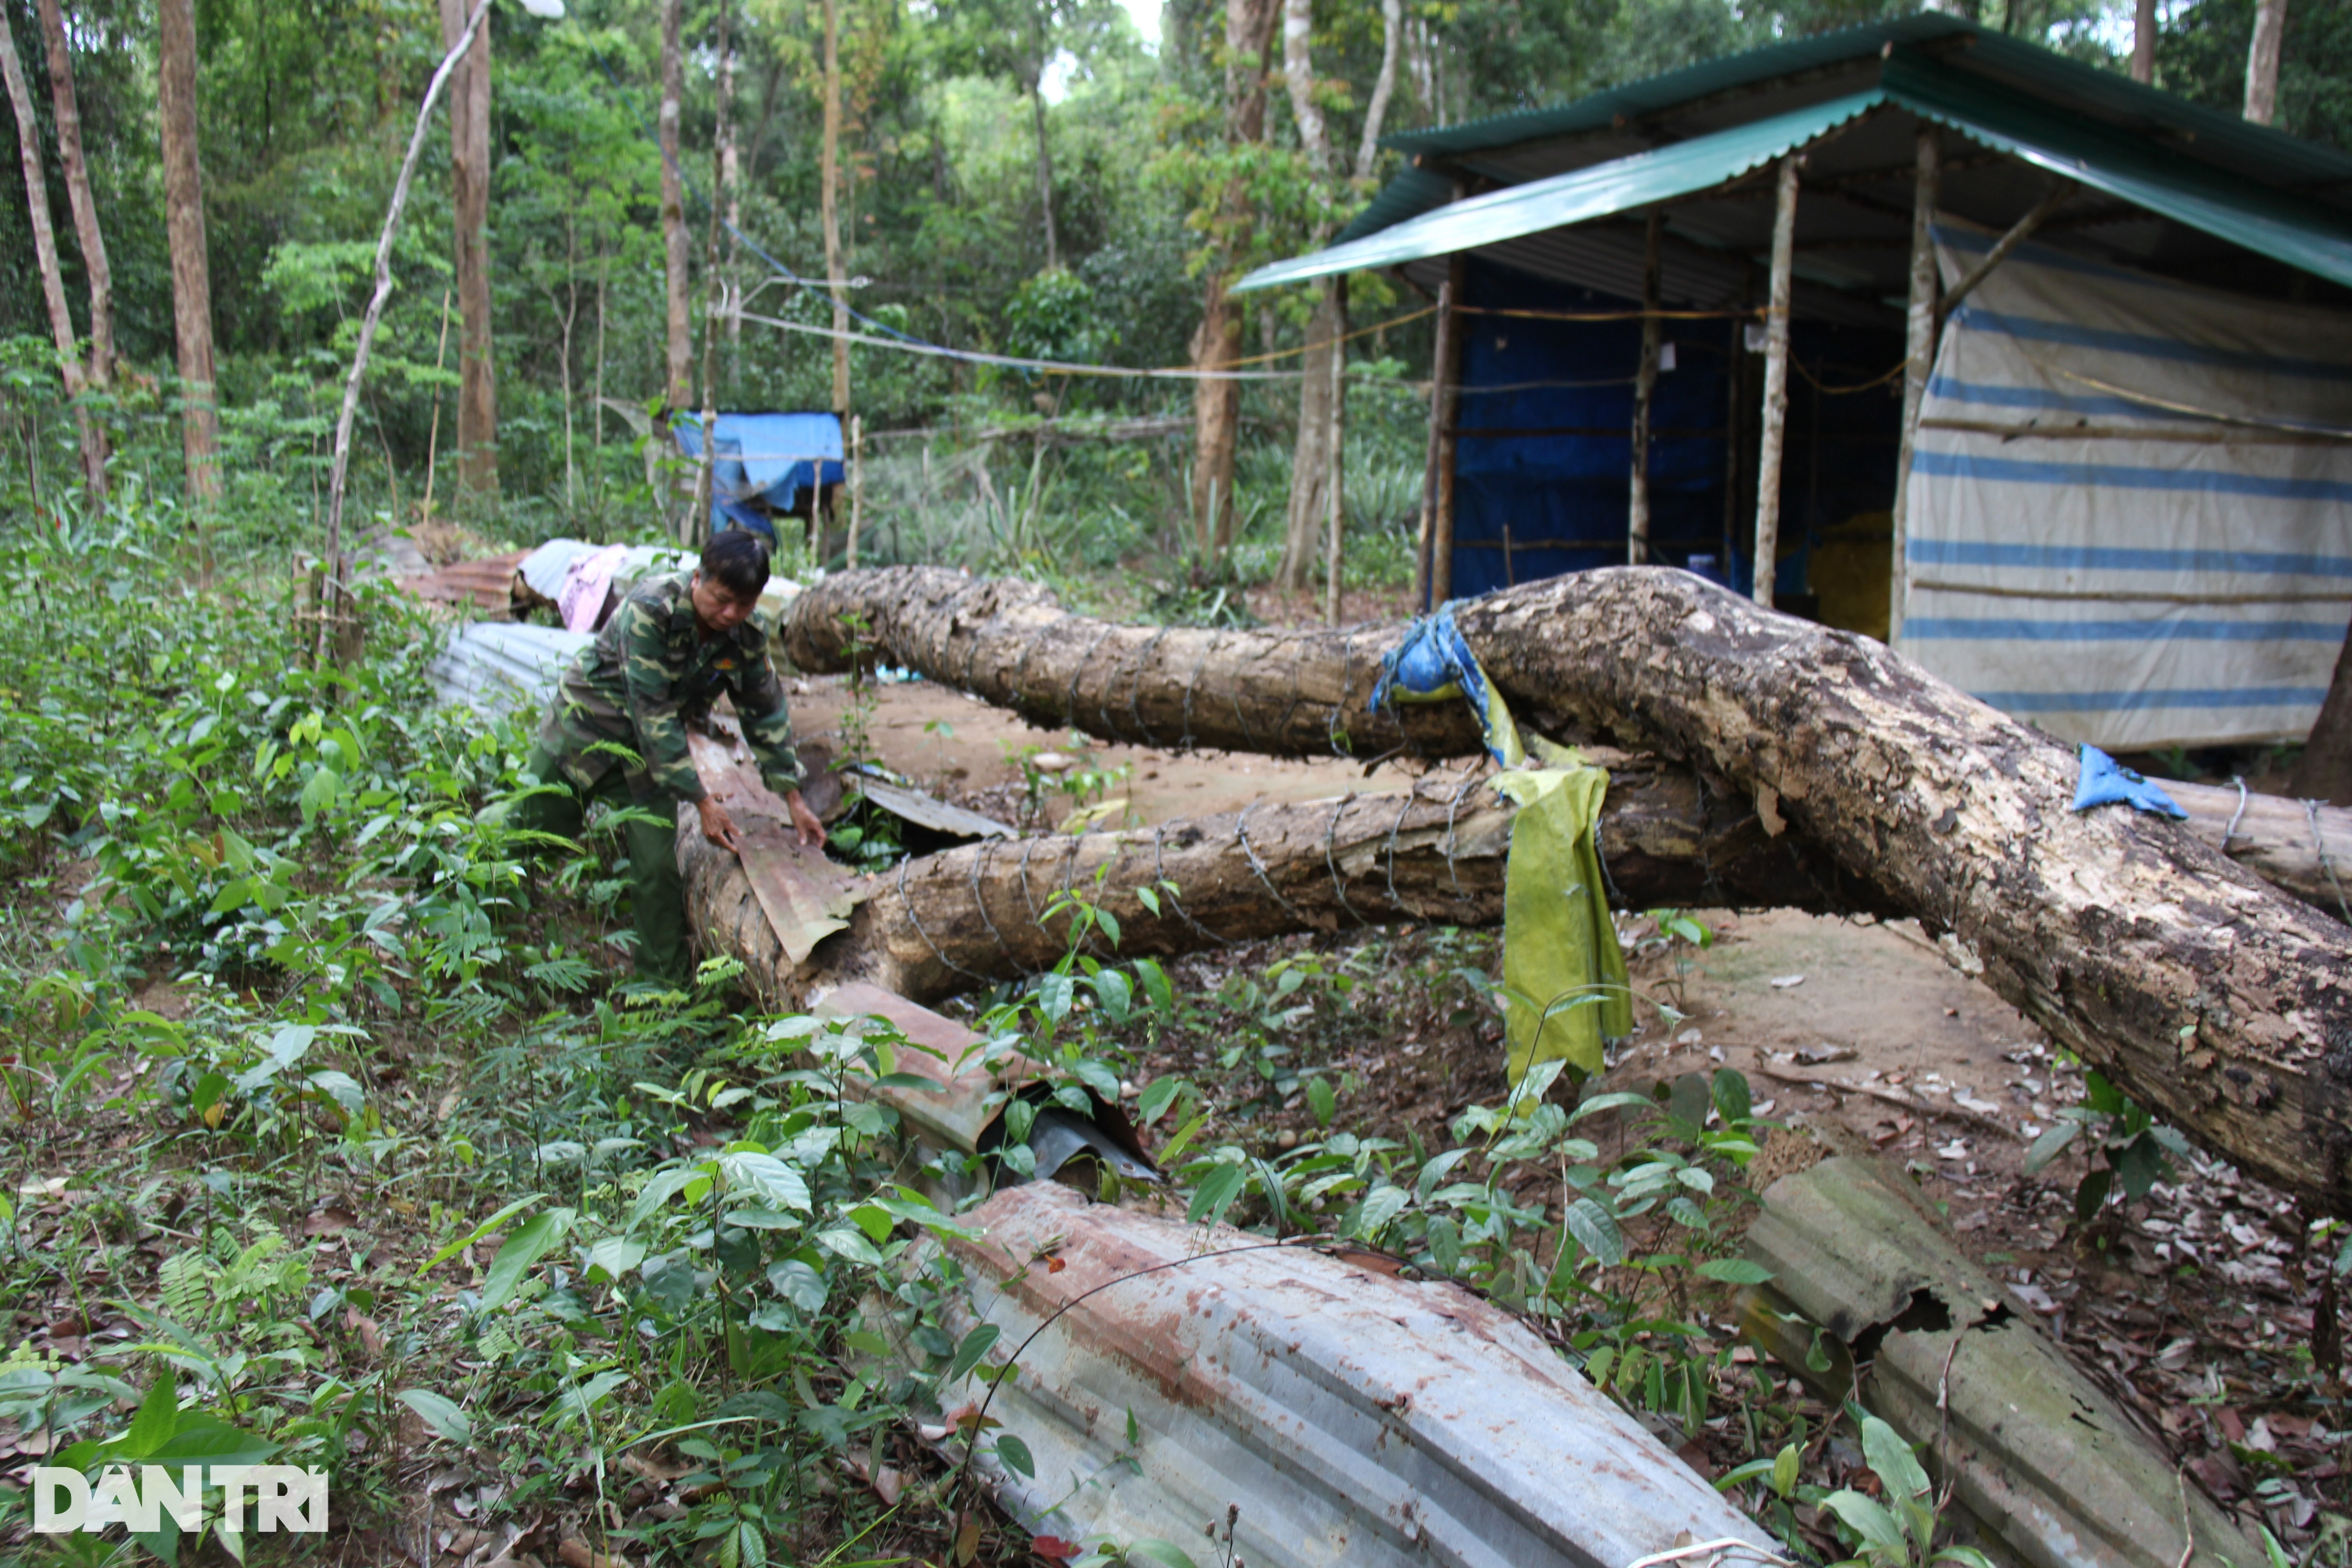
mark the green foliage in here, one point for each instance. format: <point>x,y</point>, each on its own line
<point>2128,1144</point>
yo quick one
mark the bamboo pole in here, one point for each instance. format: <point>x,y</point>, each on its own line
<point>1645,382</point>
<point>1439,355</point>
<point>1920,363</point>
<point>1776,382</point>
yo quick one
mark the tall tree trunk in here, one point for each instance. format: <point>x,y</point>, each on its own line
<point>1045,173</point>
<point>469,179</point>
<point>1310,463</point>
<point>184,212</point>
<point>78,194</point>
<point>2143,60</point>
<point>836,267</point>
<point>1217,343</point>
<point>2263,60</point>
<point>731,196</point>
<point>714,311</point>
<point>677,391</point>
<point>45,256</point>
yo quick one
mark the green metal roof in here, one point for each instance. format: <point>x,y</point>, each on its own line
<point>1680,170</point>
<point>2286,228</point>
<point>2134,107</point>
<point>2013,117</point>
<point>1412,192</point>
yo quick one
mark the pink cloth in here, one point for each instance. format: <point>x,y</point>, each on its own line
<point>585,586</point>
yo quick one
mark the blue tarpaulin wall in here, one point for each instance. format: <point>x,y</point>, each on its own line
<point>1548,493</point>
<point>762,462</point>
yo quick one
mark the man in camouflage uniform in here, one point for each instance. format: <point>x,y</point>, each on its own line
<point>616,731</point>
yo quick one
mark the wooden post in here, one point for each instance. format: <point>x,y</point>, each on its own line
<point>1646,380</point>
<point>1445,402</point>
<point>856,483</point>
<point>1776,382</point>
<point>1434,579</point>
<point>1337,450</point>
<point>1917,367</point>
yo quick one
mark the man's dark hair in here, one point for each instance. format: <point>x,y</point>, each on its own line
<point>736,561</point>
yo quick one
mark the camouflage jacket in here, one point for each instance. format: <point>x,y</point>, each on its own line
<point>647,676</point>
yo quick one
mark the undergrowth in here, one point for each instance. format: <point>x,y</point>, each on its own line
<point>334,1140</point>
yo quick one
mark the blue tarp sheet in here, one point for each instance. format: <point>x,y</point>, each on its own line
<point>1557,485</point>
<point>762,463</point>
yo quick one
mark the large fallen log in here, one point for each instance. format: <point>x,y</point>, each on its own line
<point>1308,693</point>
<point>2224,1006</point>
<point>946,922</point>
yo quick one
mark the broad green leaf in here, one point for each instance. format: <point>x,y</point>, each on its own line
<point>1381,1206</point>
<point>1160,1553</point>
<point>975,1346</point>
<point>2050,1145</point>
<point>520,1251</point>
<point>479,1231</point>
<point>1786,1466</point>
<point>1873,1523</point>
<point>319,794</point>
<point>1892,1459</point>
<point>1054,993</point>
<point>1216,1194</point>
<point>1322,1100</point>
<point>438,1413</point>
<point>1734,1271</point>
<point>1014,1454</point>
<point>1595,1229</point>
<point>617,1255</point>
<point>158,1418</point>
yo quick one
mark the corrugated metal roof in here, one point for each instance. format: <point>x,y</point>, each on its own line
<point>1518,211</point>
<point>494,666</point>
<point>1351,1415</point>
<point>1412,192</point>
<point>2263,151</point>
<point>2290,228</point>
<point>2286,228</point>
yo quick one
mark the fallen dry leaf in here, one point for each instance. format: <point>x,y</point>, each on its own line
<point>576,1553</point>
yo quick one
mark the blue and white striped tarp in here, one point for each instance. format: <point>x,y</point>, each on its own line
<point>2131,503</point>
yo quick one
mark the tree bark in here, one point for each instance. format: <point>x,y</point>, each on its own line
<point>2143,60</point>
<point>974,915</point>
<point>1217,343</point>
<point>714,309</point>
<point>2222,1004</point>
<point>184,212</point>
<point>2263,60</point>
<point>1311,458</point>
<point>44,256</point>
<point>86,232</point>
<point>836,264</point>
<point>1044,162</point>
<point>1776,382</point>
<point>678,391</point>
<point>1282,693</point>
<point>2325,770</point>
<point>470,194</point>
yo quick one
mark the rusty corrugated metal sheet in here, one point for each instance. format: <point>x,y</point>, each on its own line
<point>488,583</point>
<point>2039,1453</point>
<point>1352,1416</point>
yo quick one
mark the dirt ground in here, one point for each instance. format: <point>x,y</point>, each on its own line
<point>2195,1309</point>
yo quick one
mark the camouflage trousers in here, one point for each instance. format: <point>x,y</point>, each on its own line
<point>657,891</point>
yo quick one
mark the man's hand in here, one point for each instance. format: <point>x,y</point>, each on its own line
<point>804,821</point>
<point>718,826</point>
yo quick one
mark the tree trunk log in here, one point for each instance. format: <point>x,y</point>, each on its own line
<point>978,914</point>
<point>1307,694</point>
<point>469,197</point>
<point>2223,1004</point>
<point>44,256</point>
<point>677,357</point>
<point>1277,693</point>
<point>184,214</point>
